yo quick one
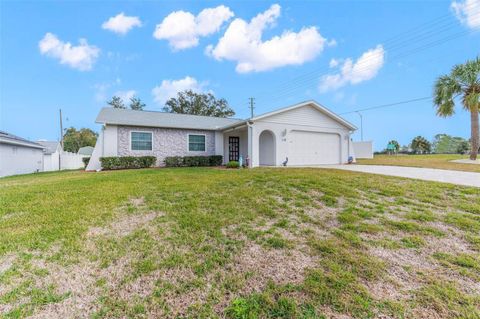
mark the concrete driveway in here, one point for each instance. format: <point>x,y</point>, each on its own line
<point>427,174</point>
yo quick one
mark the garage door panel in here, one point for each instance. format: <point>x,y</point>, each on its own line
<point>314,148</point>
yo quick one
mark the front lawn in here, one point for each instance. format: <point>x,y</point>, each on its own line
<point>441,161</point>
<point>260,243</point>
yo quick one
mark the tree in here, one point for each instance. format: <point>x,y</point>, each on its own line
<point>136,104</point>
<point>420,145</point>
<point>396,144</point>
<point>446,144</point>
<point>463,147</point>
<point>189,102</point>
<point>463,81</point>
<point>73,139</point>
<point>116,102</point>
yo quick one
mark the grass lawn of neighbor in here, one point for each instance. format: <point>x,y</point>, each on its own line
<point>441,161</point>
<point>258,243</point>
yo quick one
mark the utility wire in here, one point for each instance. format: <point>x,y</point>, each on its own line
<point>307,82</point>
<point>387,105</point>
<point>391,45</point>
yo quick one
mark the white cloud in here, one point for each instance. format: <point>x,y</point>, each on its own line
<point>121,23</point>
<point>468,12</point>
<point>126,95</point>
<point>182,29</point>
<point>170,88</point>
<point>242,43</point>
<point>365,68</point>
<point>81,57</point>
<point>334,63</point>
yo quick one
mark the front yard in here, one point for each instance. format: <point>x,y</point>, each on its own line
<point>260,243</point>
<point>441,161</point>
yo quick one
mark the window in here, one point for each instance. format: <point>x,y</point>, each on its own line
<point>141,141</point>
<point>196,143</point>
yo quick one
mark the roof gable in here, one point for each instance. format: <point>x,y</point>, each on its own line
<point>50,146</point>
<point>310,109</point>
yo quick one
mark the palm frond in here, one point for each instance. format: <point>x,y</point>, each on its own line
<point>445,90</point>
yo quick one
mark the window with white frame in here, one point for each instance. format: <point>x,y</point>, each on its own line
<point>141,141</point>
<point>196,143</point>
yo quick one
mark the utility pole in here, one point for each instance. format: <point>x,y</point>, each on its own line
<point>252,103</point>
<point>361,124</point>
<point>61,142</point>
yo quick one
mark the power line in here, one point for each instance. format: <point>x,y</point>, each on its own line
<point>288,91</point>
<point>387,105</point>
<point>390,46</point>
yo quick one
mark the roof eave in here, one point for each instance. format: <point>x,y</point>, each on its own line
<point>21,143</point>
<point>164,126</point>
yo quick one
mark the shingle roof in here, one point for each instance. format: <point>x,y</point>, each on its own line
<point>17,140</point>
<point>109,115</point>
<point>50,146</point>
<point>86,150</point>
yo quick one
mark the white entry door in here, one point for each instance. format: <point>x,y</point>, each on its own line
<point>313,148</point>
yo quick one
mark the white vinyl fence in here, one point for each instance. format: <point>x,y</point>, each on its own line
<point>63,160</point>
<point>70,160</point>
<point>363,149</point>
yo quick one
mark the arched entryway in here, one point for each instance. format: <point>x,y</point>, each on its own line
<point>267,148</point>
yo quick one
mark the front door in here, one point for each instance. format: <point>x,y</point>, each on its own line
<point>233,148</point>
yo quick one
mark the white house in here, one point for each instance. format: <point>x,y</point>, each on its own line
<point>19,156</point>
<point>306,134</point>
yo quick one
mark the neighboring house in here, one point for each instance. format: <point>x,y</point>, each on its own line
<point>51,155</point>
<point>19,156</point>
<point>86,151</point>
<point>307,133</point>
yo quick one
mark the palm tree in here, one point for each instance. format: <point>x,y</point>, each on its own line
<point>464,81</point>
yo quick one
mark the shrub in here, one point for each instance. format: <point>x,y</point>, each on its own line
<point>123,162</point>
<point>174,161</point>
<point>85,160</point>
<point>189,161</point>
<point>233,164</point>
<point>216,160</point>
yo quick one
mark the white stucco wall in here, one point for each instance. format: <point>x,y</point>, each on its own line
<point>94,163</point>
<point>219,143</point>
<point>305,118</point>
<point>110,140</point>
<point>16,159</point>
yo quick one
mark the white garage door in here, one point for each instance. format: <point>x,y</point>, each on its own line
<point>313,148</point>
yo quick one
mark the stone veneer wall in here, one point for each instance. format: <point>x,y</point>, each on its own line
<point>166,142</point>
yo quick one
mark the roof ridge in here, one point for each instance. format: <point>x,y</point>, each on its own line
<point>172,113</point>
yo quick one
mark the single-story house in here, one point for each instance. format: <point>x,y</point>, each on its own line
<point>19,156</point>
<point>51,155</point>
<point>306,133</point>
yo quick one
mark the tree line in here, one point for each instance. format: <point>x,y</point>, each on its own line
<point>441,144</point>
<point>186,102</point>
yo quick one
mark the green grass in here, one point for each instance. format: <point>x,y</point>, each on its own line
<point>209,243</point>
<point>441,161</point>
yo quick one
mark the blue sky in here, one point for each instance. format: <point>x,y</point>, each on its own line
<point>347,55</point>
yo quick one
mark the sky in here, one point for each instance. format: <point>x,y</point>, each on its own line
<point>346,55</point>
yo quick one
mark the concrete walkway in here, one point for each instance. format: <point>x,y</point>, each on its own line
<point>427,174</point>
